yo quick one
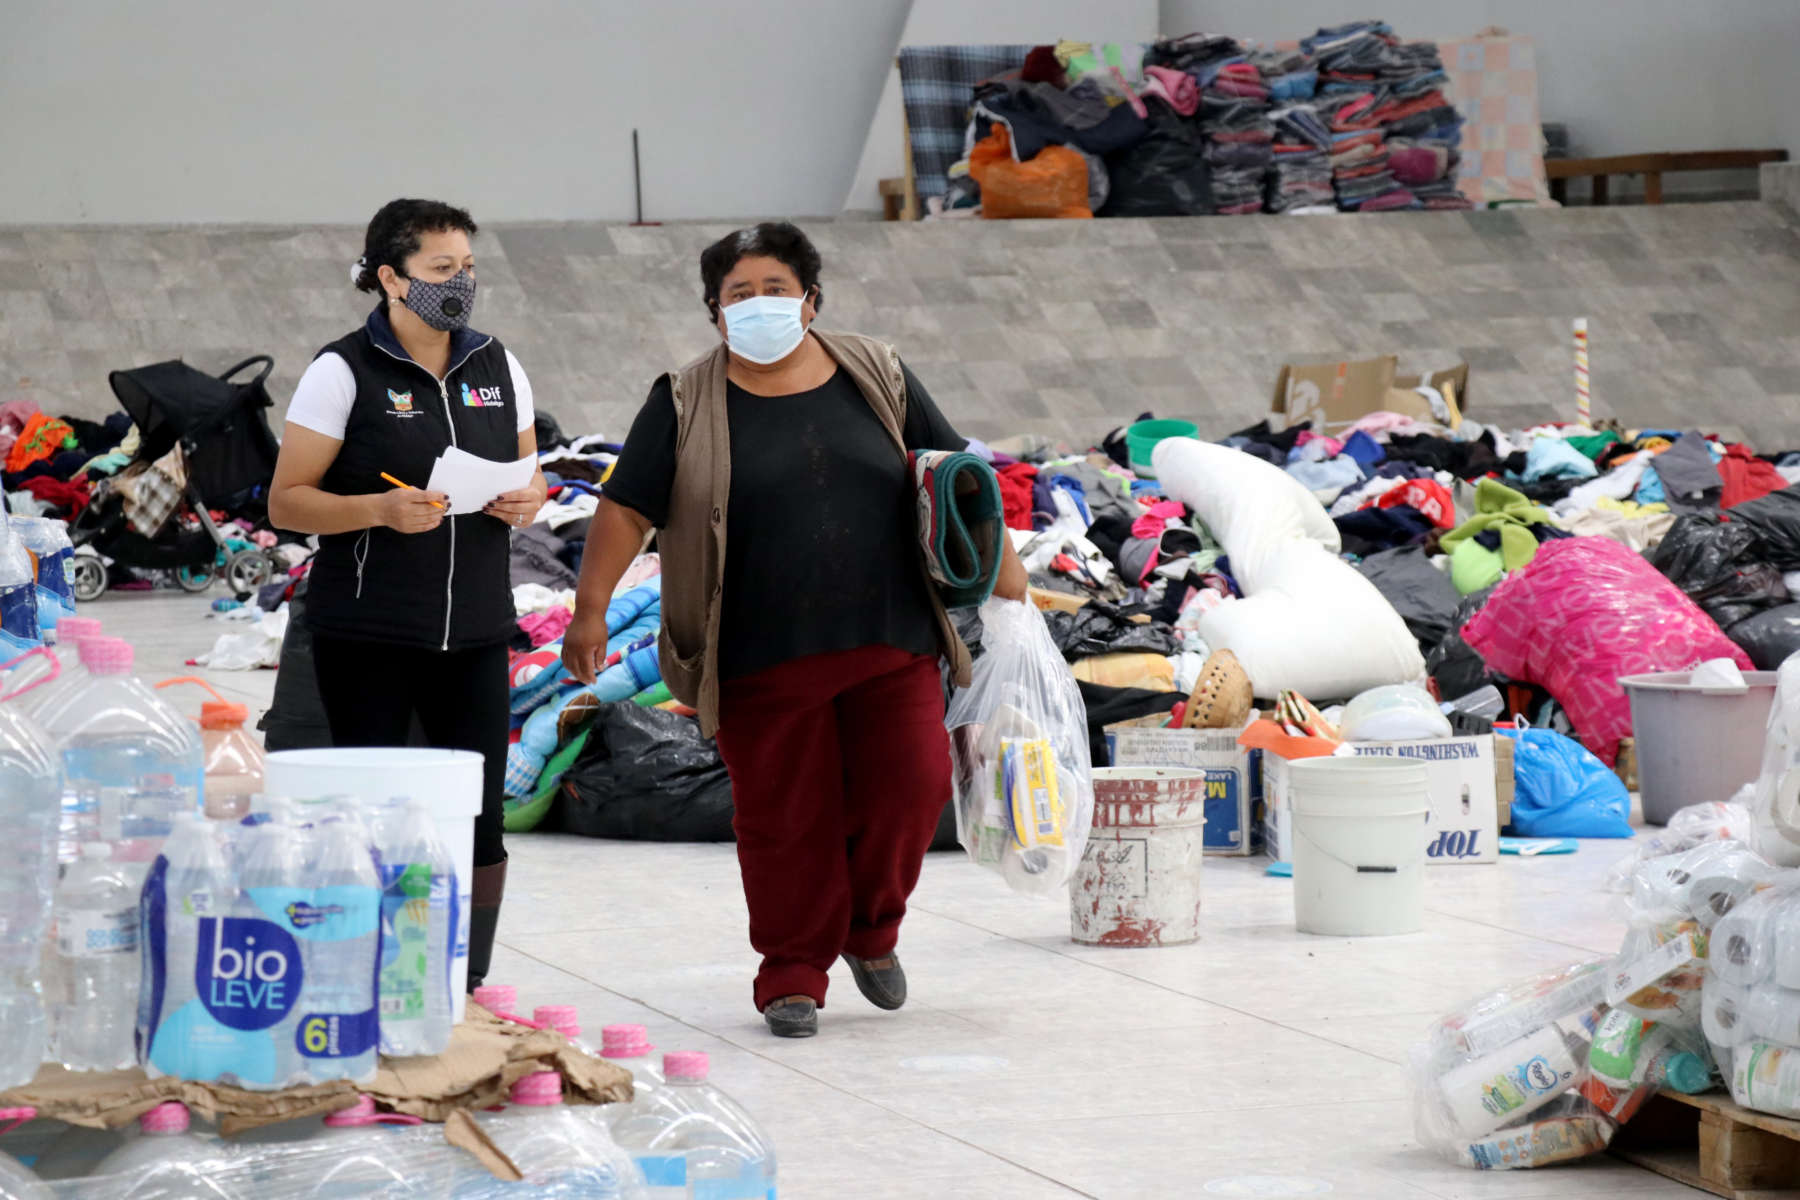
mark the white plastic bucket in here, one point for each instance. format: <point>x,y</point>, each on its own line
<point>1359,853</point>
<point>1139,879</point>
<point>448,780</point>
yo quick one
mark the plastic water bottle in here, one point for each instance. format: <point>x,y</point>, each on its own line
<point>418,892</point>
<point>19,630</point>
<point>233,760</point>
<point>340,1033</point>
<point>48,541</point>
<point>271,872</point>
<point>97,939</point>
<point>30,801</point>
<point>166,1160</point>
<point>628,1045</point>
<point>352,1152</point>
<point>501,999</point>
<point>72,669</point>
<point>728,1157</point>
<point>130,762</point>
<point>17,1182</point>
<point>559,1154</point>
<point>191,889</point>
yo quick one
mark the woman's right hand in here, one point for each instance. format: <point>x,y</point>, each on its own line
<point>584,644</point>
<point>407,510</point>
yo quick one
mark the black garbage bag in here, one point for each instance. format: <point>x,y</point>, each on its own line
<point>1769,637</point>
<point>646,775</point>
<point>1453,663</point>
<point>1776,521</point>
<point>1165,174</point>
<point>1423,595</point>
<point>1721,565</point>
<point>1098,628</point>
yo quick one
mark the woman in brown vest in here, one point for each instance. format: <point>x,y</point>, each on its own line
<point>797,615</point>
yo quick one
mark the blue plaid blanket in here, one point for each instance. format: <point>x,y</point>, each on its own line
<point>937,85</point>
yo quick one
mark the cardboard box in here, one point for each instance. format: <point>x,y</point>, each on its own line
<point>1233,783</point>
<point>1333,395</point>
<point>1463,826</point>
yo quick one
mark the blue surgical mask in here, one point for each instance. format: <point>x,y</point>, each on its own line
<point>764,329</point>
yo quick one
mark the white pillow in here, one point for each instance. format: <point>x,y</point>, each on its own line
<point>1251,506</point>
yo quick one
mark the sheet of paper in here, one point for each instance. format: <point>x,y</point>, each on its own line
<point>471,482</point>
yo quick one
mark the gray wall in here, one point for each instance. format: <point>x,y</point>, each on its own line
<point>1064,327</point>
<point>1626,76</point>
<point>217,110</point>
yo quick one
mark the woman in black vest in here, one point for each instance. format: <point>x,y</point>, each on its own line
<point>411,610</point>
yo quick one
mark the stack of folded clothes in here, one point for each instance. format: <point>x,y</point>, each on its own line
<point>1300,179</point>
<point>1359,161</point>
<point>1422,128</point>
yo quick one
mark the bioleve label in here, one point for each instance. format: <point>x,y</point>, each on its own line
<point>248,972</point>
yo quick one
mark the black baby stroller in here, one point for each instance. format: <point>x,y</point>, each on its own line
<point>144,517</point>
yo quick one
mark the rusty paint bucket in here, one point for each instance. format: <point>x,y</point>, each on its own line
<point>1139,879</point>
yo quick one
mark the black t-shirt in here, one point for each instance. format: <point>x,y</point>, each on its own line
<point>821,537</point>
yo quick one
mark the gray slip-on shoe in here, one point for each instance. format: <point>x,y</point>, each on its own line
<point>792,1017</point>
<point>883,985</point>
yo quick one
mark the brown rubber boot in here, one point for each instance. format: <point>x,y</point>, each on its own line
<point>487,889</point>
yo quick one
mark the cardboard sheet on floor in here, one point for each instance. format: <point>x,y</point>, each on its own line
<point>485,1058</point>
<point>1335,395</point>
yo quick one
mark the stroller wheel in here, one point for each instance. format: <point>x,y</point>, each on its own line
<point>194,579</point>
<point>248,570</point>
<point>89,581</point>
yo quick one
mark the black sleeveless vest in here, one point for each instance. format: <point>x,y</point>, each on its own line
<point>449,589</point>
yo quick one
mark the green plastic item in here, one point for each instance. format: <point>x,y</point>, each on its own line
<point>1141,440</point>
<point>527,815</point>
<point>657,693</point>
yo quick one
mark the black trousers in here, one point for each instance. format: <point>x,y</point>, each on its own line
<point>371,690</point>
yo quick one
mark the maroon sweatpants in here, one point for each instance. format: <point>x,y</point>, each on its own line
<point>839,768</point>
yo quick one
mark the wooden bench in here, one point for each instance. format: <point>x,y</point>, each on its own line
<point>1651,166</point>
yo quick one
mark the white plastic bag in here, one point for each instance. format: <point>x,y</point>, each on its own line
<point>1776,807</point>
<point>1024,780</point>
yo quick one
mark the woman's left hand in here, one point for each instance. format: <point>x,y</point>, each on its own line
<point>1014,581</point>
<point>518,509</point>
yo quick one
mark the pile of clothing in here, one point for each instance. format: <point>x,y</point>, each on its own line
<point>1233,116</point>
<point>1422,128</point>
<point>50,464</point>
<point>1300,178</point>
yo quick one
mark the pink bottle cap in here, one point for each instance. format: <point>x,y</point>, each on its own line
<point>107,656</point>
<point>70,630</point>
<point>560,1017</point>
<point>538,1090</point>
<point>498,998</point>
<point>360,1113</point>
<point>689,1066</point>
<point>625,1041</point>
<point>171,1116</point>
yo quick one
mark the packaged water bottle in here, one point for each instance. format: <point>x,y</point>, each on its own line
<point>18,1181</point>
<point>97,947</point>
<point>30,805</point>
<point>417,923</point>
<point>49,544</point>
<point>338,922</point>
<point>234,760</point>
<point>130,762</point>
<point>166,1160</point>
<point>728,1156</point>
<point>226,971</point>
<point>501,999</point>
<point>629,1046</point>
<point>560,1154</point>
<point>19,630</point>
<point>352,1152</point>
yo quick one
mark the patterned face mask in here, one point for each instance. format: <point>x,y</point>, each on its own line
<point>447,305</point>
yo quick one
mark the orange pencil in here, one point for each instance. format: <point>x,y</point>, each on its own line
<point>409,487</point>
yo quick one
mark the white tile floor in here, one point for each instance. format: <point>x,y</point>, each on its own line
<point>1258,1062</point>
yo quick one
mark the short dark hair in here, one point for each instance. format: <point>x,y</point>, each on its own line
<point>395,231</point>
<point>780,240</point>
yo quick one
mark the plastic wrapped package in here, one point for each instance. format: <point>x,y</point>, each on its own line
<point>389,1164</point>
<point>1396,713</point>
<point>1632,1058</point>
<point>1775,804</point>
<point>1498,1083</point>
<point>1751,1015</point>
<point>1583,614</point>
<point>1023,777</point>
<point>1695,825</point>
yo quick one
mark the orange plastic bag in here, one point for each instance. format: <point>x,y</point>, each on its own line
<point>1052,184</point>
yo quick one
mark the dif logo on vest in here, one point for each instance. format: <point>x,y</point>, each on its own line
<point>248,972</point>
<point>482,397</point>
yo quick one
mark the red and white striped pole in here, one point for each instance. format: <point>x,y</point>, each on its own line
<point>1584,400</point>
